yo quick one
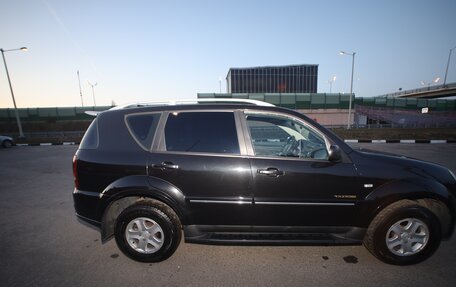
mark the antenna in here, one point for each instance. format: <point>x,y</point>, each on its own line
<point>80,91</point>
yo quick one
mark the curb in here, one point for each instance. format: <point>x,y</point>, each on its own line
<point>401,141</point>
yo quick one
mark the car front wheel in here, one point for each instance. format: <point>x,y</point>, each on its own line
<point>148,231</point>
<point>403,233</point>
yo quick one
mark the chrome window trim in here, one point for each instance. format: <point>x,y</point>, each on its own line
<point>132,134</point>
<point>302,159</point>
<point>220,201</point>
<point>243,134</point>
<point>160,132</point>
<point>238,115</point>
<point>272,202</point>
<point>201,154</point>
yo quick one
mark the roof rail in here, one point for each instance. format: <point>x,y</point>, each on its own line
<point>194,101</point>
<point>183,102</point>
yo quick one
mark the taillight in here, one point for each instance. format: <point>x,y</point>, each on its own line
<point>75,171</point>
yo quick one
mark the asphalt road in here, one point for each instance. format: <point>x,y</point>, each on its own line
<point>42,244</point>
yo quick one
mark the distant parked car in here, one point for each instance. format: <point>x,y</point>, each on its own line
<point>6,141</point>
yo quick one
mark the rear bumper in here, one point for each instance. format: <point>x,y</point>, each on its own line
<point>89,222</point>
<point>86,206</point>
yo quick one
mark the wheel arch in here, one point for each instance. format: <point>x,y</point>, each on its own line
<point>132,189</point>
<point>427,193</point>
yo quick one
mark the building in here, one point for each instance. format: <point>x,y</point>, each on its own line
<point>273,79</point>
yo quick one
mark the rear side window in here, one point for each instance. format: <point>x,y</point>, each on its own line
<point>90,139</point>
<point>142,127</point>
<point>208,132</point>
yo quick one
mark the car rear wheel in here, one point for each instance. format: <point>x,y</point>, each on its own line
<point>403,233</point>
<point>148,231</point>
<point>7,144</point>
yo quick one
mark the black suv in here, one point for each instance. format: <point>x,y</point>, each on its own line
<point>247,172</point>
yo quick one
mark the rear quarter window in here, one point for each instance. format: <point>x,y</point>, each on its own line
<point>142,128</point>
<point>90,139</point>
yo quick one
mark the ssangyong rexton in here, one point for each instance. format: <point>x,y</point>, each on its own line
<point>246,172</point>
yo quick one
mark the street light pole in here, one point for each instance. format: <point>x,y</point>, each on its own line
<point>331,81</point>
<point>93,92</point>
<point>80,91</point>
<point>18,119</point>
<point>351,86</point>
<point>448,64</point>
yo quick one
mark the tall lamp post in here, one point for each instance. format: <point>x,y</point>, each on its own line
<point>331,81</point>
<point>448,63</point>
<point>80,91</point>
<point>351,86</point>
<point>93,92</point>
<point>18,120</point>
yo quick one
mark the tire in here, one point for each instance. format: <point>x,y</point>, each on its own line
<point>7,144</point>
<point>148,231</point>
<point>404,233</point>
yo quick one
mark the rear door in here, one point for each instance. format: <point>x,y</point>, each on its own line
<point>294,183</point>
<point>199,152</point>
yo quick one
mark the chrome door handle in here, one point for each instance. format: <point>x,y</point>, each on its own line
<point>271,171</point>
<point>165,165</point>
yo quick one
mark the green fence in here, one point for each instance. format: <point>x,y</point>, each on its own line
<point>49,114</point>
<point>288,100</point>
<point>339,101</point>
<point>408,104</point>
<point>292,100</point>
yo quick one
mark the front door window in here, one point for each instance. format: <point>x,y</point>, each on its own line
<point>280,136</point>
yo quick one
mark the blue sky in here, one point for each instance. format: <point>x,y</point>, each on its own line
<point>153,50</point>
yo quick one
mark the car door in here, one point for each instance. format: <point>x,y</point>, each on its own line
<point>199,153</point>
<point>294,183</point>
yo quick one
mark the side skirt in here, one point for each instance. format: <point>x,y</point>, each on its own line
<point>266,235</point>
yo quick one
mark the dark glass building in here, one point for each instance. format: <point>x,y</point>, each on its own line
<point>273,79</point>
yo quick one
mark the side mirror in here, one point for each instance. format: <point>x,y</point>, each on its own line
<point>334,153</point>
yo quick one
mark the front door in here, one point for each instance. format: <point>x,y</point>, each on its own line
<point>294,183</point>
